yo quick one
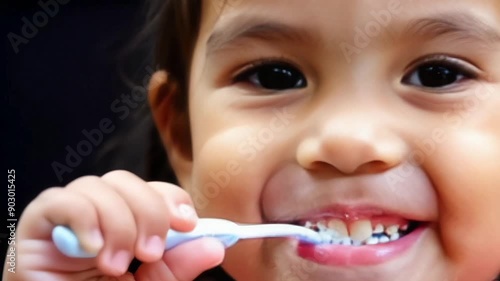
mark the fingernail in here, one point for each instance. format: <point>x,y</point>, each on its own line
<point>120,261</point>
<point>154,245</point>
<point>94,243</point>
<point>187,212</point>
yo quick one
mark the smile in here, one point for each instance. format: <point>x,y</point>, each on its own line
<point>361,232</point>
<point>361,239</point>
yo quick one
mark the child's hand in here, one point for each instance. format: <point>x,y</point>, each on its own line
<point>118,216</point>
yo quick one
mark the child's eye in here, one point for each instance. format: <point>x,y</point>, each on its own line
<point>276,76</point>
<point>439,73</point>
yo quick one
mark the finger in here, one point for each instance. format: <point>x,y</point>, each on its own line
<point>155,271</point>
<point>149,210</point>
<point>180,264</point>
<point>58,206</point>
<point>189,260</point>
<point>179,204</point>
<point>116,222</point>
<point>126,277</point>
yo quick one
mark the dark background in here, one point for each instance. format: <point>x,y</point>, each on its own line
<point>64,80</point>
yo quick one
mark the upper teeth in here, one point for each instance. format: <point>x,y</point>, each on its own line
<point>392,229</point>
<point>339,227</point>
<point>379,228</point>
<point>358,232</point>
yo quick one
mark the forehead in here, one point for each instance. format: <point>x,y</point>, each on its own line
<point>318,10</point>
<point>332,19</point>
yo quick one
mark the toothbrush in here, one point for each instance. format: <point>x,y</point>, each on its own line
<point>226,231</point>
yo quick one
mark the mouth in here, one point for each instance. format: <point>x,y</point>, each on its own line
<point>356,233</point>
<point>359,239</point>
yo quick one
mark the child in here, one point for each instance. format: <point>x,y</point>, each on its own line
<point>374,122</point>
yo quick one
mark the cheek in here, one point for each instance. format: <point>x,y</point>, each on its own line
<point>234,155</point>
<point>466,174</point>
<point>228,175</point>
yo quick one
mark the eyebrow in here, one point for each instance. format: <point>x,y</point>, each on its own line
<point>460,25</point>
<point>256,29</point>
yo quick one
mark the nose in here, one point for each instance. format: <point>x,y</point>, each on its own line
<point>352,144</point>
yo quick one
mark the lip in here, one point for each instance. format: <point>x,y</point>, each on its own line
<point>350,213</point>
<point>343,256</point>
<point>364,196</point>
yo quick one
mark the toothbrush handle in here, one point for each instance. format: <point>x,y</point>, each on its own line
<point>175,238</point>
<point>67,242</point>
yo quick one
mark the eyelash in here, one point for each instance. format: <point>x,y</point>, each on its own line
<point>244,75</point>
<point>465,69</point>
<point>261,62</point>
<point>456,71</point>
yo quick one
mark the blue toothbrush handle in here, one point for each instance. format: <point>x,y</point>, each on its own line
<point>67,242</point>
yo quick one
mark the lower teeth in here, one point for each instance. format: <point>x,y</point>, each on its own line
<point>373,240</point>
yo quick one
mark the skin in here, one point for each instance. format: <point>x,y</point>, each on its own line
<point>355,135</point>
<point>144,209</point>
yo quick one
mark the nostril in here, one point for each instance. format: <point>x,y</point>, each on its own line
<point>355,153</point>
<point>372,167</point>
<point>324,169</point>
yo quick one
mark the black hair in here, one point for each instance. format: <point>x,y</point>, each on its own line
<point>170,28</point>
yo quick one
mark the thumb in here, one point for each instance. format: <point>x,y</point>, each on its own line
<point>184,262</point>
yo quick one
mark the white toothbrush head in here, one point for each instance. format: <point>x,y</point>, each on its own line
<point>279,230</point>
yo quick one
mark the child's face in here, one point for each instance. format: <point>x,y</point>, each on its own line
<point>359,111</point>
